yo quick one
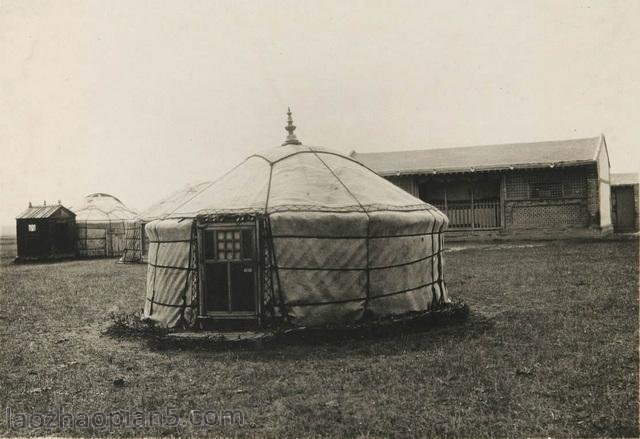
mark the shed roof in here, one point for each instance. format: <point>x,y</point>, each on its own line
<point>484,158</point>
<point>625,179</point>
<point>40,212</point>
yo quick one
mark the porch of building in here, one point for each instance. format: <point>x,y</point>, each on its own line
<point>472,202</point>
<point>540,203</point>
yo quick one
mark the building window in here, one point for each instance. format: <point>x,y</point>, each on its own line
<point>545,190</point>
<point>546,185</point>
<point>33,228</point>
<point>574,186</point>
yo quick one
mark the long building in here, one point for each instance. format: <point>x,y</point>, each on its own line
<point>543,189</point>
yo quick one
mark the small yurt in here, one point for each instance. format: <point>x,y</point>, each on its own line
<point>136,242</point>
<point>294,236</point>
<point>101,220</point>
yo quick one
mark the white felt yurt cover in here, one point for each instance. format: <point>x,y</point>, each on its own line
<point>101,220</point>
<point>341,243</point>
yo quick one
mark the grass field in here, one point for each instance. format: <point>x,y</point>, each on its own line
<point>550,349</point>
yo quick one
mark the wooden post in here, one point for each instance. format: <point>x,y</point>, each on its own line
<point>503,196</point>
<point>201,268</point>
<point>414,187</point>
<point>446,207</point>
<point>473,215</point>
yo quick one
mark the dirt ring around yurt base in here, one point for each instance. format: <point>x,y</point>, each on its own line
<point>129,326</point>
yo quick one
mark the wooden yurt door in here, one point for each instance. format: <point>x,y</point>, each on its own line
<point>229,271</point>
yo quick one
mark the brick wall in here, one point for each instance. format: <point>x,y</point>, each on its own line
<point>551,199</point>
<point>547,214</point>
<point>593,200</point>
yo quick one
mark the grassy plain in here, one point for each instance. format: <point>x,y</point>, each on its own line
<point>550,349</point>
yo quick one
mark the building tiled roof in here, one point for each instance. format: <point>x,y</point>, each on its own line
<point>484,158</point>
<point>38,212</point>
<point>624,179</point>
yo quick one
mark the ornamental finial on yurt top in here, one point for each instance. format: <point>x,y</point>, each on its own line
<point>291,138</point>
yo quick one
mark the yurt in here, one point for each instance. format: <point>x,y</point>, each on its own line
<point>294,236</point>
<point>100,222</point>
<point>136,242</point>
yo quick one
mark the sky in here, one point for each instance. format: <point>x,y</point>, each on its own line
<point>137,98</point>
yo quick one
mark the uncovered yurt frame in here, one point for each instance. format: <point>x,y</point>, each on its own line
<point>101,221</point>
<point>135,242</point>
<point>136,245</point>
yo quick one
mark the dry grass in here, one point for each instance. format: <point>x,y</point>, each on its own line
<point>550,349</point>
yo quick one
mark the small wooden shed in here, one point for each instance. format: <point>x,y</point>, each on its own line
<point>625,204</point>
<point>46,232</point>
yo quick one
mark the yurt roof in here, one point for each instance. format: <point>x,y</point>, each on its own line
<point>101,207</point>
<point>297,177</point>
<point>167,204</point>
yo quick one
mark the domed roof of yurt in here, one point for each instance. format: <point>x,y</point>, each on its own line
<point>135,245</point>
<point>101,207</point>
<point>168,204</point>
<point>337,242</point>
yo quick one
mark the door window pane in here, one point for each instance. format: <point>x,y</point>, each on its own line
<point>221,244</point>
<point>233,244</point>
